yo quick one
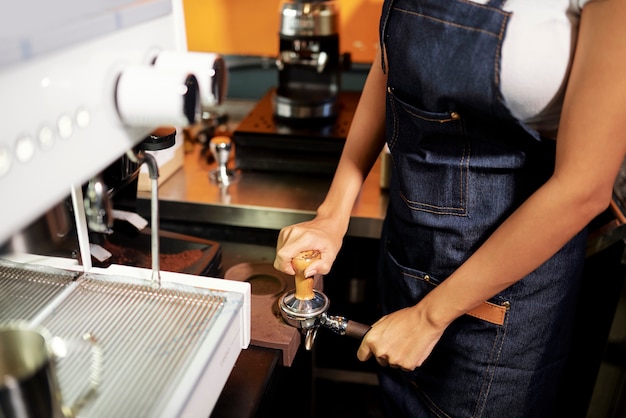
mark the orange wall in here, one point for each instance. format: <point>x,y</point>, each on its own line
<point>250,27</point>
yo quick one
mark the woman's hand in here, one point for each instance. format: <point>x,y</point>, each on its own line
<point>403,339</point>
<point>322,234</point>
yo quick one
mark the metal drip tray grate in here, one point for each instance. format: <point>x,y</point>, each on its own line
<point>156,342</point>
<point>27,290</point>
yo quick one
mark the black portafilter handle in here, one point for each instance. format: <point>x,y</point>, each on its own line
<point>357,329</point>
<point>343,326</point>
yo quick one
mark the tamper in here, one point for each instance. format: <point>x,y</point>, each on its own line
<point>221,147</point>
<point>305,308</point>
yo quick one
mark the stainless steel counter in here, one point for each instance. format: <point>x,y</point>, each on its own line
<point>259,199</point>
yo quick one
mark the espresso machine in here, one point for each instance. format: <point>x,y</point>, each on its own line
<point>87,85</point>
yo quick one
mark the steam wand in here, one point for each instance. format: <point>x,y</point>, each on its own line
<point>153,171</point>
<point>305,308</point>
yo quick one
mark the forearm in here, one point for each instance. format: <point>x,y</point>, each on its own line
<point>363,145</point>
<point>535,232</point>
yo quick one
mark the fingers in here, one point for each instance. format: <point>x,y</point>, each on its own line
<point>364,352</point>
<point>382,361</point>
<point>294,239</point>
<point>381,352</point>
<point>282,262</point>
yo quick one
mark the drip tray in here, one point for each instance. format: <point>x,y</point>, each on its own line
<point>158,344</point>
<point>178,252</point>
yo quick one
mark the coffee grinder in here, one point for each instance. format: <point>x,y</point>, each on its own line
<point>308,62</point>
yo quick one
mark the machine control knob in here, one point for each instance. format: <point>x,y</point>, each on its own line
<point>147,96</point>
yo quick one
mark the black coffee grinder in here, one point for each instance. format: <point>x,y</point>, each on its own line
<point>309,62</point>
<point>301,124</point>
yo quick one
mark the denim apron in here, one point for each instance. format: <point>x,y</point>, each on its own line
<point>462,164</point>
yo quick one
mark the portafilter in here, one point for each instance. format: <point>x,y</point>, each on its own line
<point>306,308</point>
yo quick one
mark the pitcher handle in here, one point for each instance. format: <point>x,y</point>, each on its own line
<point>95,377</point>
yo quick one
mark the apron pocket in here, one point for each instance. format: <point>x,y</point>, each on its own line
<point>464,362</point>
<point>415,284</point>
<point>437,155</point>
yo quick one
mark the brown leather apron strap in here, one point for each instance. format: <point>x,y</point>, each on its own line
<point>489,312</point>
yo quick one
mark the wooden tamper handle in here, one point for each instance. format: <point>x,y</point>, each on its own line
<point>304,285</point>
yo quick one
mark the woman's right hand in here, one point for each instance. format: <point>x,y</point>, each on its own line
<point>320,234</point>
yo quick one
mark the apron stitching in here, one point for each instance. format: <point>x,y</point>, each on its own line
<point>497,57</point>
<point>383,34</point>
<point>449,119</point>
<point>492,366</point>
<point>395,123</point>
<point>418,277</point>
<point>445,22</point>
<point>434,408</point>
<point>463,186</point>
<point>437,210</point>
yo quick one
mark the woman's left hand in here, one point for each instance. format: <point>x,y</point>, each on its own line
<point>402,339</point>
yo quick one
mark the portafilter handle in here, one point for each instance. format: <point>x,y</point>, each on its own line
<point>342,326</point>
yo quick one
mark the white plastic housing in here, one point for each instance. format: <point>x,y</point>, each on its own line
<point>60,125</point>
<point>209,68</point>
<point>151,96</point>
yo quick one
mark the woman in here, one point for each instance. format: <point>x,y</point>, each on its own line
<point>505,121</point>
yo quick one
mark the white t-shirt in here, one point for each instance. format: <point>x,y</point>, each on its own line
<point>536,58</point>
